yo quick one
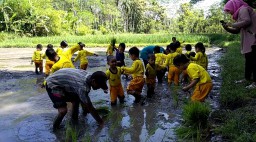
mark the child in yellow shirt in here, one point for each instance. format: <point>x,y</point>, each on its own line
<point>200,58</point>
<point>37,58</point>
<point>63,60</point>
<point>137,70</point>
<point>48,63</point>
<point>151,74</point>
<point>174,72</point>
<point>198,75</point>
<point>82,56</point>
<point>111,47</point>
<point>114,76</point>
<point>63,45</point>
<point>160,58</point>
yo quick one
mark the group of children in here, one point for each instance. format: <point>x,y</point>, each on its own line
<point>191,64</point>
<point>172,60</point>
<point>61,58</point>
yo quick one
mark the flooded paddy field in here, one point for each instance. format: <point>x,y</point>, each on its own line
<point>27,114</point>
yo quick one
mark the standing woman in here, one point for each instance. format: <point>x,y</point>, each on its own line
<point>245,24</point>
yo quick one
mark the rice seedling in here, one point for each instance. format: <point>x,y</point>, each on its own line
<point>195,116</point>
<point>71,134</point>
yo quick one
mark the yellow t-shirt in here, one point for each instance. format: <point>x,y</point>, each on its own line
<point>200,59</point>
<point>137,69</point>
<point>82,56</point>
<point>59,50</point>
<point>110,50</point>
<point>65,59</point>
<point>69,53</point>
<point>195,71</point>
<point>37,56</point>
<point>179,50</point>
<point>114,79</point>
<point>151,72</point>
<point>160,58</point>
<point>169,59</point>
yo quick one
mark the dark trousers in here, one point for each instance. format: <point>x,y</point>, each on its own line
<point>250,65</point>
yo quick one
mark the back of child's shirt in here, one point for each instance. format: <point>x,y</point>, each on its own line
<point>37,55</point>
<point>169,59</point>
<point>120,57</point>
<point>196,71</point>
<point>65,59</point>
<point>114,78</point>
<point>82,55</point>
<point>201,59</point>
<point>137,69</point>
<point>179,50</point>
<point>59,50</point>
<point>160,58</point>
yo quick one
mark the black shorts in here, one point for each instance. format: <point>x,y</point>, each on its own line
<point>59,98</point>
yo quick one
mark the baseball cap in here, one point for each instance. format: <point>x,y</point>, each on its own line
<point>101,79</point>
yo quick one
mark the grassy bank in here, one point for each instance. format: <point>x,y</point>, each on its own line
<point>236,120</point>
<point>11,40</point>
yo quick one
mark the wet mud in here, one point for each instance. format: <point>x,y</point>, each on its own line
<point>27,113</point>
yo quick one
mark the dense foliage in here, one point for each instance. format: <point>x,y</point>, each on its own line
<point>80,17</point>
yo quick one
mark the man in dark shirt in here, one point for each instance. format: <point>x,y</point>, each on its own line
<point>73,85</point>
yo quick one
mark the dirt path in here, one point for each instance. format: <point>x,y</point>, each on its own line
<point>27,113</point>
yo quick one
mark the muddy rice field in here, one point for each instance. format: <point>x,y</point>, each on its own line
<point>26,112</point>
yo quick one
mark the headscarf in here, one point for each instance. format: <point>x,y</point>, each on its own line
<point>234,6</point>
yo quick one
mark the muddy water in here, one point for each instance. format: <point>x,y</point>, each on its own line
<point>27,113</point>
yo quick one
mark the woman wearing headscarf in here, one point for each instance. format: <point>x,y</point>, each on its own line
<point>245,24</point>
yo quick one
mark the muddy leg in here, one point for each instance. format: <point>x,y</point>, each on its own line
<point>75,110</point>
<point>114,103</point>
<point>150,90</point>
<point>85,109</point>
<point>121,99</point>
<point>61,113</point>
<point>136,95</point>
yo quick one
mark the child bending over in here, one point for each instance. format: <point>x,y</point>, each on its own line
<point>198,75</point>
<point>37,58</point>
<point>82,56</point>
<point>137,70</point>
<point>114,77</point>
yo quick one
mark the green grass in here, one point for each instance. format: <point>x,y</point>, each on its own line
<point>11,40</point>
<point>236,117</point>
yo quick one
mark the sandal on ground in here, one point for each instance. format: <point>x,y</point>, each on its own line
<point>252,86</point>
<point>240,81</point>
